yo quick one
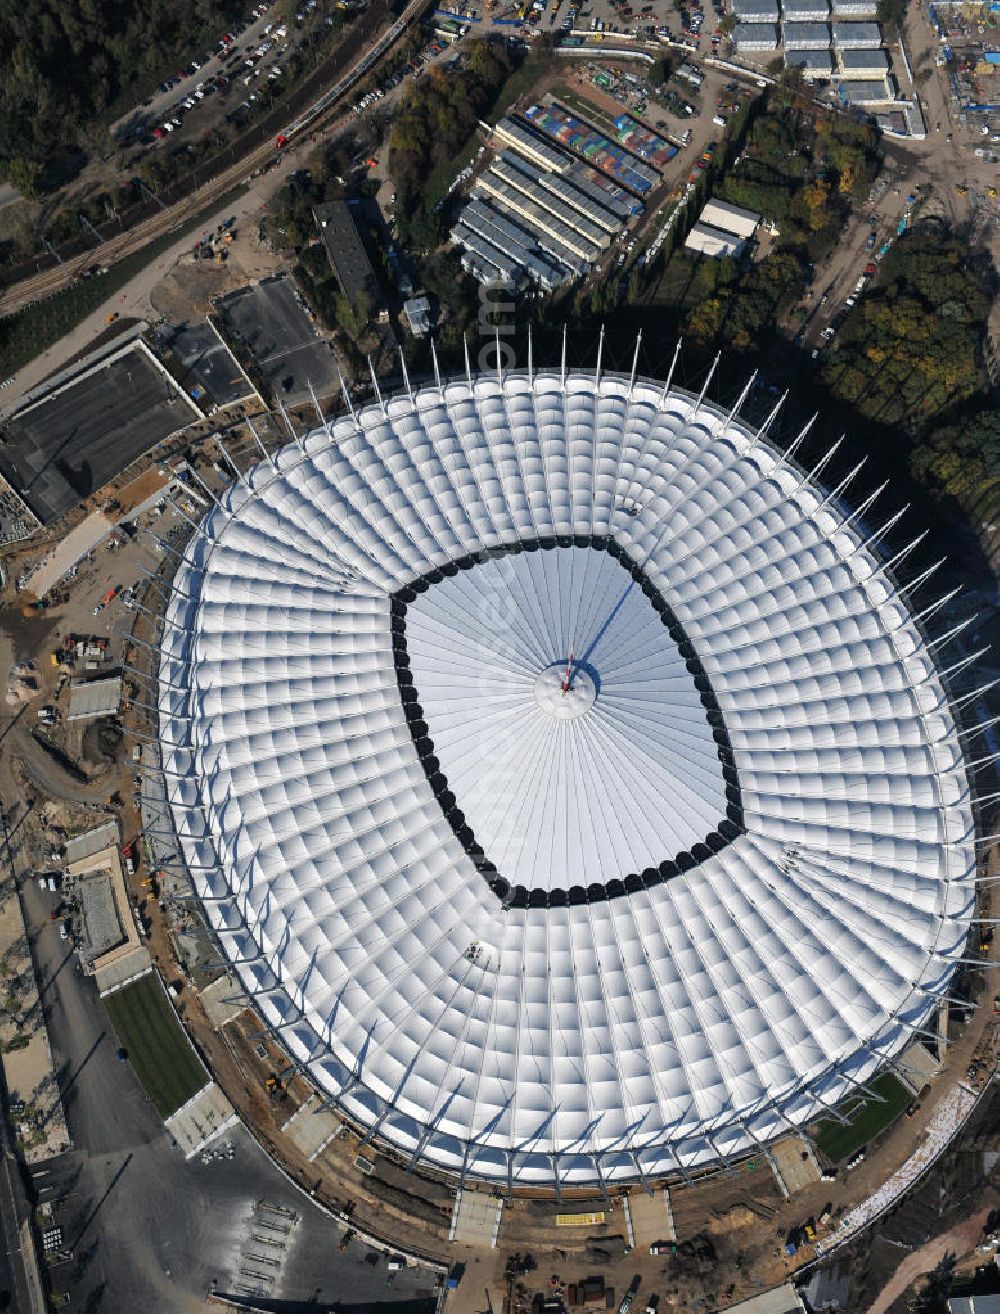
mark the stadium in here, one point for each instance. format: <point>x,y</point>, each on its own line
<point>565,776</point>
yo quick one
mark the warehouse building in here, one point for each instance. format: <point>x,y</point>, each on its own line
<point>544,260</point>
<point>751,37</point>
<point>857,36</point>
<point>731,218</point>
<point>515,134</point>
<point>577,212</point>
<point>812,64</point>
<point>860,65</point>
<point>486,262</point>
<point>756,11</point>
<point>805,36</point>
<point>866,93</point>
<point>805,11</point>
<point>722,229</point>
<point>528,209</point>
<point>852,10</point>
<point>705,240</point>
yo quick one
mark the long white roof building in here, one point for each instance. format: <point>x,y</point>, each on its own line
<point>564,776</point>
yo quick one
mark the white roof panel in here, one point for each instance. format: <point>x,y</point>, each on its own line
<point>692,893</point>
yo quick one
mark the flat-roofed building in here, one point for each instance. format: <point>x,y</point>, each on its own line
<point>714,242</point>
<point>805,36</point>
<point>857,36</point>
<point>756,11</point>
<point>95,698</point>
<point>860,65</point>
<point>853,10</point>
<point>875,92</point>
<point>805,11</point>
<point>418,315</point>
<point>730,218</point>
<point>810,63</point>
<point>347,254</point>
<point>750,37</point>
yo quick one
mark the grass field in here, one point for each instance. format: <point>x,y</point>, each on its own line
<point>157,1048</point>
<point>868,1118</point>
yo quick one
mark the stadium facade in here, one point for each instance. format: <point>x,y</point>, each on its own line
<point>565,777</point>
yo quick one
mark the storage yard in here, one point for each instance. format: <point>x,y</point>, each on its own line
<point>559,192</point>
<point>546,214</point>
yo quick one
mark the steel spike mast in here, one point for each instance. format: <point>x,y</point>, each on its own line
<point>567,681</point>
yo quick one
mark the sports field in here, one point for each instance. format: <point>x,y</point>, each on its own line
<point>157,1048</point>
<point>867,1119</point>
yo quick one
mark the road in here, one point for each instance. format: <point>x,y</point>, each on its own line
<point>958,1241</point>
<point>16,1290</point>
<point>149,1230</point>
<point>167,220</point>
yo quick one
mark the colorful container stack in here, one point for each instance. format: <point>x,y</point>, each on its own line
<point>599,151</point>
<point>642,141</point>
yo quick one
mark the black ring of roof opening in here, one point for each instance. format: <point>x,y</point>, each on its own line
<point>730,824</point>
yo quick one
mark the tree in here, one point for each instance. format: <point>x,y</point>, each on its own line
<point>26,176</point>
<point>891,12</point>
<point>659,73</point>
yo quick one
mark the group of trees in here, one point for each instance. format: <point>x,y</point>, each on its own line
<point>67,66</point>
<point>911,355</point>
<point>433,127</point>
<point>800,168</point>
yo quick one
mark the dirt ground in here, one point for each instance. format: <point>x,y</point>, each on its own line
<point>187,289</point>
<point>959,1240</point>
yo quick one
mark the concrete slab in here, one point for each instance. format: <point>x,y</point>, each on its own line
<point>198,1122</point>
<point>105,864</point>
<point>475,1219</point>
<point>918,1065</point>
<point>120,971</point>
<point>311,1128</point>
<point>270,321</point>
<point>651,1218</point>
<point>794,1160</point>
<point>217,1000</point>
<point>100,928</point>
<point>91,842</point>
<point>209,365</point>
<point>68,551</point>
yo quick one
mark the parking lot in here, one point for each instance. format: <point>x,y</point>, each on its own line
<point>269,322</point>
<point>68,445</point>
<point>247,62</point>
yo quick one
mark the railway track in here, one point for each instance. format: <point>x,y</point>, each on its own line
<point>172,217</point>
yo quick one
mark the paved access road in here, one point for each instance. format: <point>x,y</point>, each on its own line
<point>149,1230</point>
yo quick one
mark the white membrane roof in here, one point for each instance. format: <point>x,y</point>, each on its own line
<point>616,771</point>
<point>320,718</point>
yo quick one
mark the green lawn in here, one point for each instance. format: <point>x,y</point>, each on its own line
<point>158,1049</point>
<point>867,1119</point>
